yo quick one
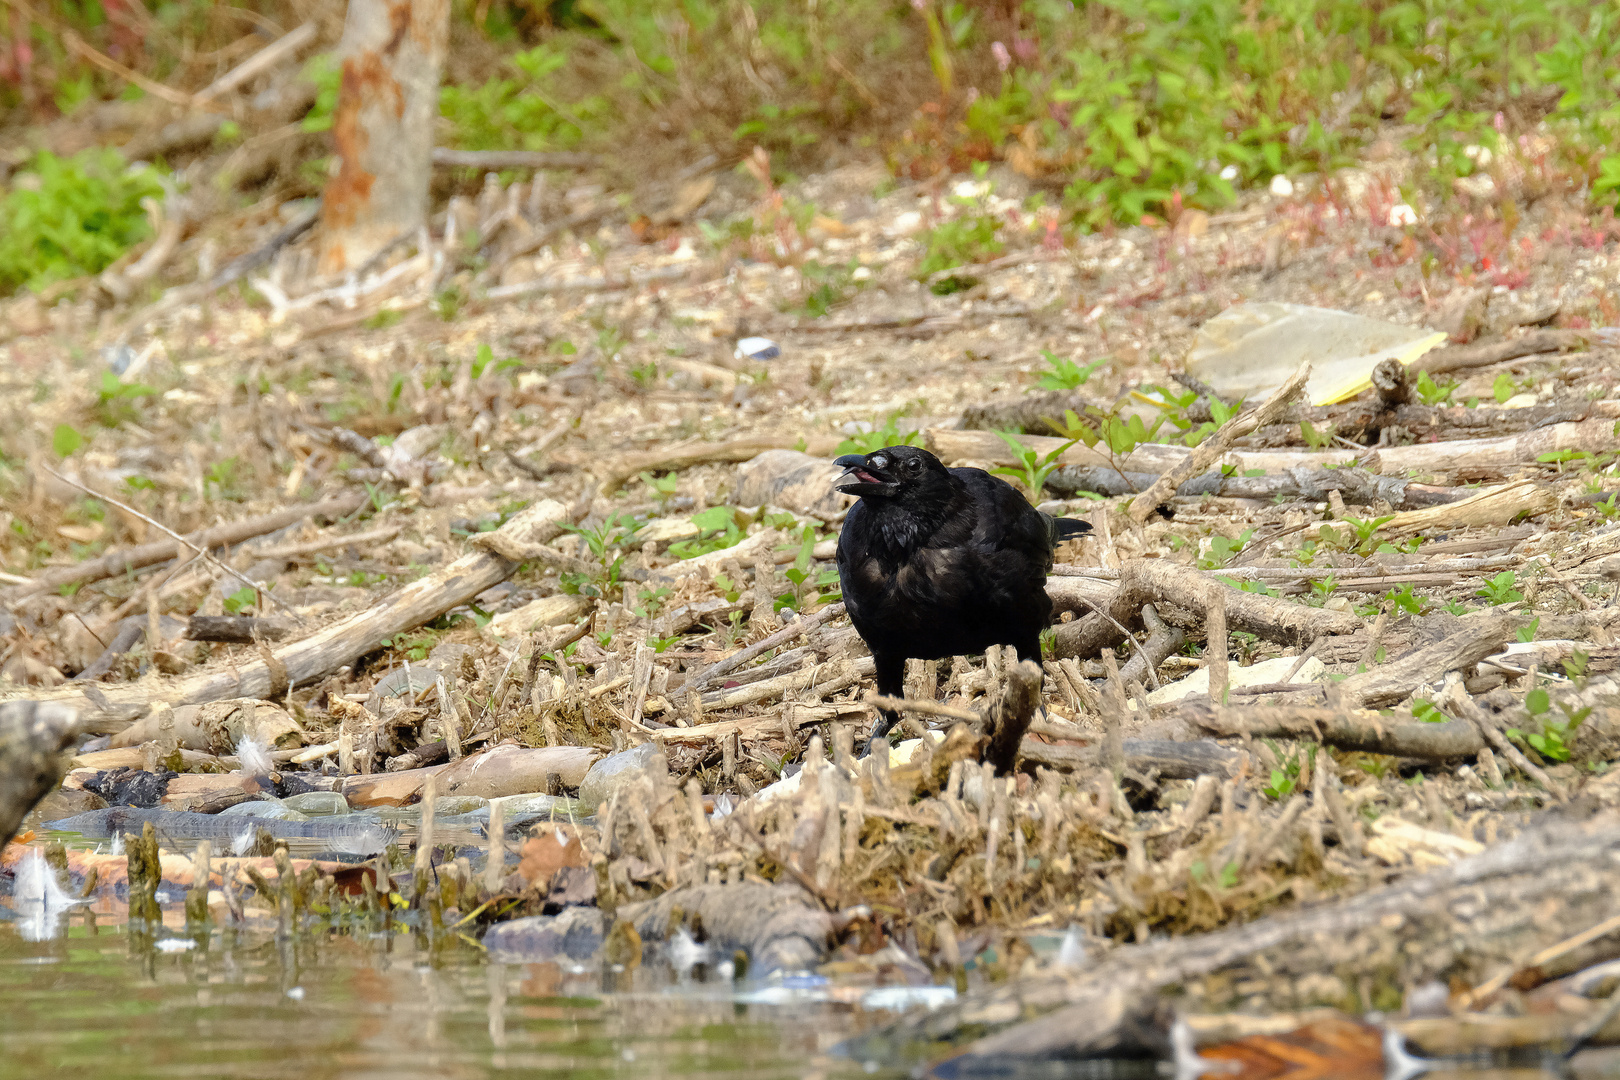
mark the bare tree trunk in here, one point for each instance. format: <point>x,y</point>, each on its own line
<point>383,129</point>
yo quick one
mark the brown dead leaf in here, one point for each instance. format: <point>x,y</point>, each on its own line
<point>1339,1047</point>
<point>549,851</point>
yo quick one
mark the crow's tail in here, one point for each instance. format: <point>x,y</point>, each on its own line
<point>1068,528</point>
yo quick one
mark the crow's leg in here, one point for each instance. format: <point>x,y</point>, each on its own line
<point>891,682</point>
<point>1029,648</point>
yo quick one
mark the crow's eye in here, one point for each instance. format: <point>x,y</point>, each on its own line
<point>913,466</point>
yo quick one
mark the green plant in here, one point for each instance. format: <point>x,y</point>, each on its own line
<point>1285,779</point>
<point>1528,633</point>
<point>1608,508</point>
<point>1404,599</point>
<point>1033,467</point>
<point>879,437</point>
<point>1500,589</point>
<point>224,478</point>
<point>241,600</point>
<point>1316,440</point>
<point>958,242</point>
<point>1427,712</point>
<point>75,216</point>
<point>807,582</point>
<point>115,400</point>
<point>830,284</point>
<point>1065,374</point>
<point>1431,392</point>
<point>661,488</point>
<point>65,439</point>
<point>605,542</point>
<point>1223,549</point>
<point>1553,740</point>
<point>718,528</point>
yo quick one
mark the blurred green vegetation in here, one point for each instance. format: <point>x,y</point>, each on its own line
<point>1128,107</point>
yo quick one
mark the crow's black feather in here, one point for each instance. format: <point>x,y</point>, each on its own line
<point>936,562</point>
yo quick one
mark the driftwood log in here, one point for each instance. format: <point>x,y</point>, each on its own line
<point>1347,730</point>
<point>1484,916</point>
<point>344,642</point>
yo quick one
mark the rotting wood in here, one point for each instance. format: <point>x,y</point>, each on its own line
<point>1020,697</point>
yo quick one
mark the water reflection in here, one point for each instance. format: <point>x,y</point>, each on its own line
<point>38,901</point>
<point>84,998</point>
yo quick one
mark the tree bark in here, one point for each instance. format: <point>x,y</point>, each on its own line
<point>383,128</point>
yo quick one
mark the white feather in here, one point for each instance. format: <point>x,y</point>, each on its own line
<point>253,755</point>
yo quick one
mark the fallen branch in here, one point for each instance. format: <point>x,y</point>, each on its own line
<point>1171,760</point>
<point>1210,450</point>
<point>952,445</point>
<point>700,680</point>
<point>1395,680</point>
<point>1367,732</point>
<point>1357,486</point>
<point>686,455</point>
<point>1482,354</point>
<point>1144,581</point>
<point>114,563</point>
<point>344,642</point>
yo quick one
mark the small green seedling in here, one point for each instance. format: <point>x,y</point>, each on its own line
<point>1033,468</point>
<point>1065,373</point>
<point>1500,589</point>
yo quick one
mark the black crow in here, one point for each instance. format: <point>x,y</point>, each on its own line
<point>936,562</point>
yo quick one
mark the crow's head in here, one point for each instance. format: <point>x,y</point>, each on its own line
<point>906,473</point>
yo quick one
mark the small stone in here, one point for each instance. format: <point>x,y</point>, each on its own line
<point>269,809</point>
<point>575,932</point>
<point>318,803</point>
<point>613,771</point>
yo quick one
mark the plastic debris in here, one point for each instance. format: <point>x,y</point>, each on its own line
<point>1249,350</point>
<point>757,348</point>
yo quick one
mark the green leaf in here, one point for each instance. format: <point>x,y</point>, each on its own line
<point>1536,701</point>
<point>65,440</point>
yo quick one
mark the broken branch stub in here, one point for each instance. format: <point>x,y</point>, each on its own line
<point>383,127</point>
<point>1020,697</point>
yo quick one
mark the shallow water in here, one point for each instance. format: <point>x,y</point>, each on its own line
<point>99,1001</point>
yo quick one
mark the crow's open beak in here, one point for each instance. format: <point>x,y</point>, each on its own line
<point>868,480</point>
